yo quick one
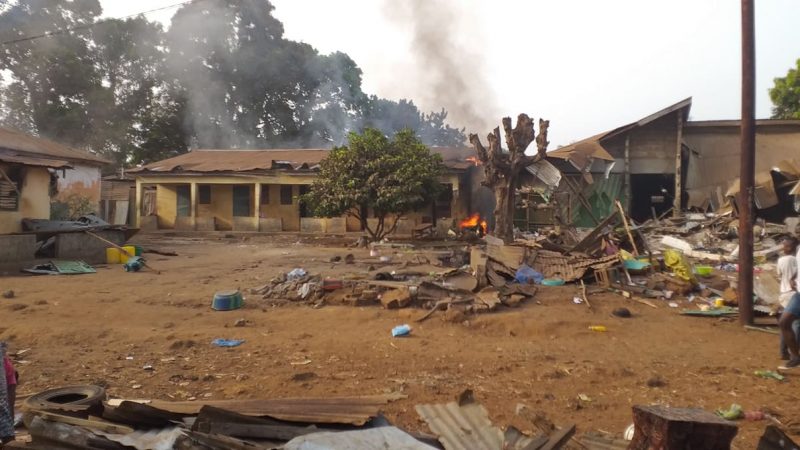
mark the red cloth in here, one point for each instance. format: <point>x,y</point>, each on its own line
<point>11,378</point>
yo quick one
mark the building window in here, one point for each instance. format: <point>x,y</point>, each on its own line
<point>204,194</point>
<point>265,194</point>
<point>9,185</point>
<point>286,194</point>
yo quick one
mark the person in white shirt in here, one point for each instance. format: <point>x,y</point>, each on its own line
<point>787,273</point>
<point>791,313</point>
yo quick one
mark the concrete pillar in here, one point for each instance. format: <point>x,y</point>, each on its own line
<point>193,200</point>
<point>257,201</point>
<point>138,204</point>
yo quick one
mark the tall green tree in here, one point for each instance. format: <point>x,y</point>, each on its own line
<point>223,76</point>
<point>376,175</point>
<point>785,95</point>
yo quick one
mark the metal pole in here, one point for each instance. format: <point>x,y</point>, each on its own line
<point>748,163</point>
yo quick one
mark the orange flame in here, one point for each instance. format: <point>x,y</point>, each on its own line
<point>474,160</point>
<point>474,221</point>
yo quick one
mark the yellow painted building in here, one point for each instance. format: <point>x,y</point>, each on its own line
<point>35,172</point>
<point>259,190</point>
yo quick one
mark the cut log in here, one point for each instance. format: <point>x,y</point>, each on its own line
<point>661,427</point>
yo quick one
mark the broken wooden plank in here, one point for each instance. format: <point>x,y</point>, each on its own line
<point>593,238</point>
<point>90,424</point>
<point>559,438</point>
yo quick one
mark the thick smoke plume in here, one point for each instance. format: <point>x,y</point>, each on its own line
<point>451,68</point>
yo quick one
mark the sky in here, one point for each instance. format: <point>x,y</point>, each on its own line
<point>587,66</point>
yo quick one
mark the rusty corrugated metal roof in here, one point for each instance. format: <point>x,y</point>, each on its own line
<point>209,161</point>
<point>593,146</point>
<point>237,160</point>
<point>21,144</point>
<point>462,425</point>
<point>31,161</point>
<point>343,410</point>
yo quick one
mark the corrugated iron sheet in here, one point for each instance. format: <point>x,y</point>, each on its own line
<point>209,161</point>
<point>14,140</point>
<point>343,410</point>
<point>462,425</point>
<point>33,161</point>
<point>546,172</point>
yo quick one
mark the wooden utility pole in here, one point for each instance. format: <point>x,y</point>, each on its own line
<point>748,163</point>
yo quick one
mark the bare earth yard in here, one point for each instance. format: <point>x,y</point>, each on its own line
<point>81,329</point>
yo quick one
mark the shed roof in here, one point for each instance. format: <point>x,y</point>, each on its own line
<point>17,143</point>
<point>593,146</point>
<point>209,160</point>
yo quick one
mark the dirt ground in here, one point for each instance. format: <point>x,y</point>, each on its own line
<point>104,328</point>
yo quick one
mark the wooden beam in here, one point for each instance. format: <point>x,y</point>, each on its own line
<point>627,228</point>
<point>678,198</point>
<point>577,190</point>
<point>628,192</point>
<point>106,427</point>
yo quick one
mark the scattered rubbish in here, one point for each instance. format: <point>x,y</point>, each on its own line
<point>8,294</point>
<point>674,305</point>
<point>733,413</point>
<point>148,367</point>
<point>220,342</point>
<point>61,267</point>
<point>296,274</point>
<point>133,264</point>
<point>240,322</point>
<point>553,282</point>
<point>401,330</point>
<point>227,300</point>
<point>584,398</point>
<point>599,328</point>
<point>348,259</point>
<point>527,275</point>
<point>577,300</point>
<point>770,374</point>
<point>621,312</point>
<point>304,362</point>
<point>716,312</point>
<point>703,271</point>
<point>628,434</point>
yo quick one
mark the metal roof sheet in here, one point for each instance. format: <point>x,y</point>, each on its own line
<point>216,160</point>
<point>592,146</point>
<point>33,161</point>
<point>462,425</point>
<point>345,410</point>
<point>27,145</point>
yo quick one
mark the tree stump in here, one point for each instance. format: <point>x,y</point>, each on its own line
<point>664,428</point>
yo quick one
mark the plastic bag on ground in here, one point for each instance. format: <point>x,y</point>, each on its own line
<point>527,275</point>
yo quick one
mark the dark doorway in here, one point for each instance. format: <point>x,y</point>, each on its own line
<point>241,200</point>
<point>304,212</point>
<point>184,206</point>
<point>651,192</point>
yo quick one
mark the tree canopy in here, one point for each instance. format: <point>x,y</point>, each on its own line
<point>376,175</point>
<point>222,76</point>
<point>785,95</point>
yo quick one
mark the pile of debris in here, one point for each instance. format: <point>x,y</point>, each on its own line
<point>82,417</point>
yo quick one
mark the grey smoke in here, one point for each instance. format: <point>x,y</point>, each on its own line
<point>451,64</point>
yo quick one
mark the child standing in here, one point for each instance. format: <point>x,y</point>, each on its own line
<point>787,273</point>
<point>8,394</point>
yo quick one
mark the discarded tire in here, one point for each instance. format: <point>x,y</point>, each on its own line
<point>74,400</point>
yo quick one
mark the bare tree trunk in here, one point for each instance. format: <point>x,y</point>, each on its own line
<point>502,168</point>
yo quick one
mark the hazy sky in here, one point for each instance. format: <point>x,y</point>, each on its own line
<point>587,66</point>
